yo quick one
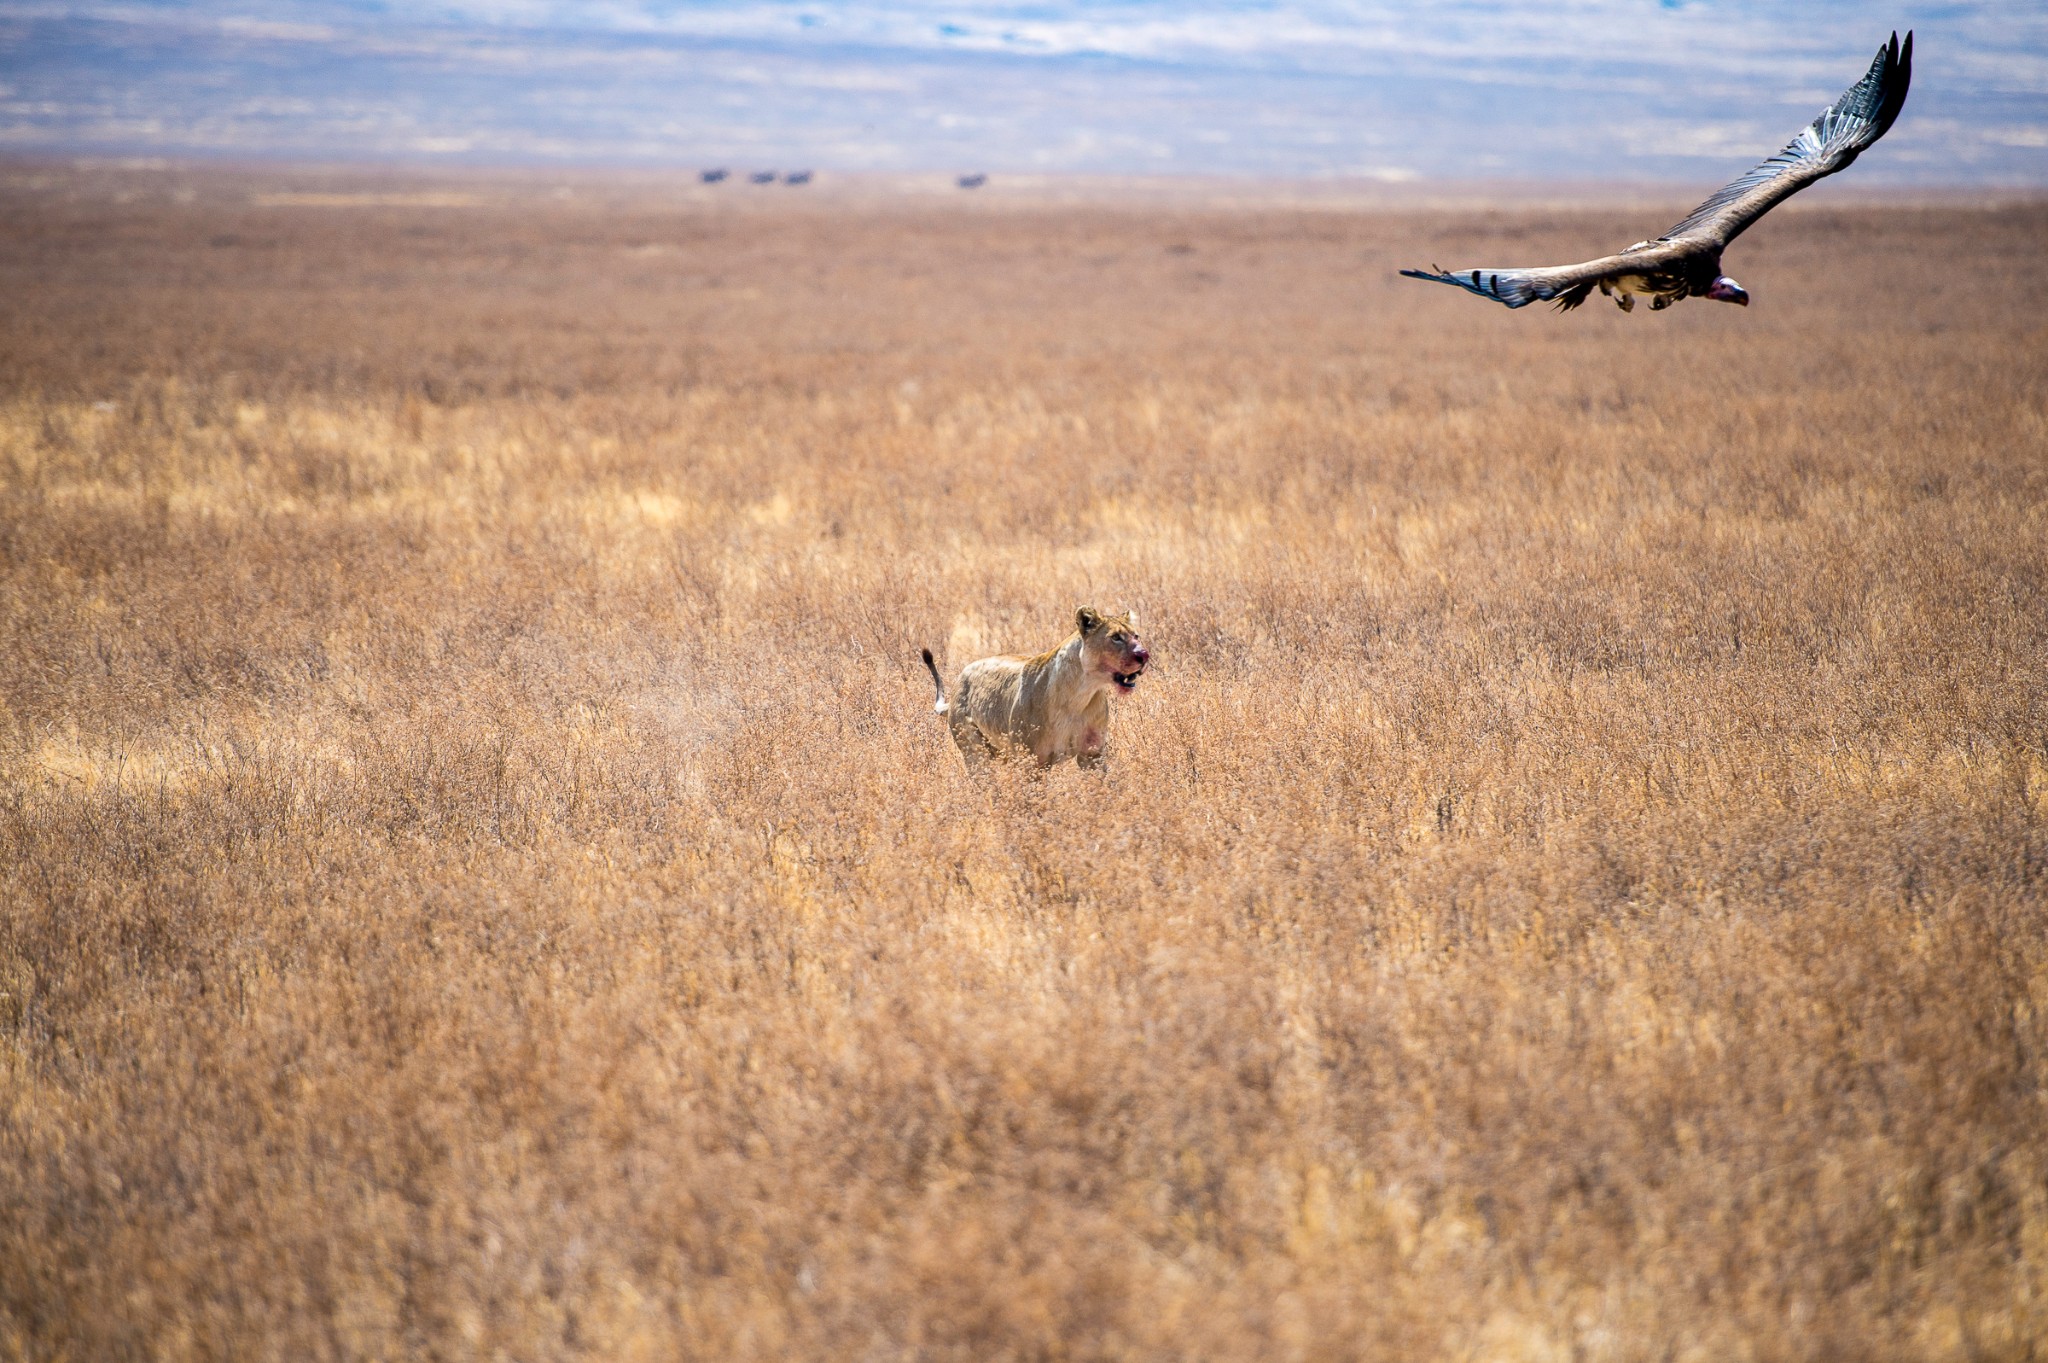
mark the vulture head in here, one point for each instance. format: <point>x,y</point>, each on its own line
<point>1728,291</point>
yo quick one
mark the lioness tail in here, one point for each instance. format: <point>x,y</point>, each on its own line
<point>933,668</point>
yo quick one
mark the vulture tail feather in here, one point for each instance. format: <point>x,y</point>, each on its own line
<point>1571,298</point>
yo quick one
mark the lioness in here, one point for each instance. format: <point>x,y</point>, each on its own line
<point>1054,706</point>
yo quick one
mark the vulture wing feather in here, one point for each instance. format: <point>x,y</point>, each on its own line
<point>1566,285</point>
<point>1830,143</point>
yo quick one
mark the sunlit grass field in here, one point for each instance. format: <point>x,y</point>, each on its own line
<point>480,876</point>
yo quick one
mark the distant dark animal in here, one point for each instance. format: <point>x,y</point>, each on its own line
<point>763,177</point>
<point>712,177</point>
<point>797,177</point>
<point>973,181</point>
<point>1686,261</point>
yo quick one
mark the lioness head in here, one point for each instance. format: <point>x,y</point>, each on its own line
<point>1111,645</point>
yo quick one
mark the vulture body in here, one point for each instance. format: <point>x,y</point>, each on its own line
<point>1686,261</point>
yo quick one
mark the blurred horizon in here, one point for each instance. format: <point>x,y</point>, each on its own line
<point>1596,90</point>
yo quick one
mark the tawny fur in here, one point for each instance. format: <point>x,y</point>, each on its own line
<point>1054,706</point>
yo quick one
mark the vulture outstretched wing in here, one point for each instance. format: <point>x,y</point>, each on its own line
<point>1516,288</point>
<point>1567,285</point>
<point>1828,144</point>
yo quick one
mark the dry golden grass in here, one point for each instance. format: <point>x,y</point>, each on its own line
<point>480,877</point>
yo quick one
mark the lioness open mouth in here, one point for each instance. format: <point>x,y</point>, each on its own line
<point>1126,680</point>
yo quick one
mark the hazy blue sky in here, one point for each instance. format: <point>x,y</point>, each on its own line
<point>1583,89</point>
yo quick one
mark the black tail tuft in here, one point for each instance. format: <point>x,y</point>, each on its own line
<point>938,683</point>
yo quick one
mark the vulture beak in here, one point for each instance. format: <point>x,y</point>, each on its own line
<point>1728,291</point>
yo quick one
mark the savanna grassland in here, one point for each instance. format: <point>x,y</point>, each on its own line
<point>480,876</point>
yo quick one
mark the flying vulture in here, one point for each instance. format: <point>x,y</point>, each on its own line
<point>1686,261</point>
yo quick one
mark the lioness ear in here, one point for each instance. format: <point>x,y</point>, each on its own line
<point>1087,619</point>
<point>1132,616</point>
